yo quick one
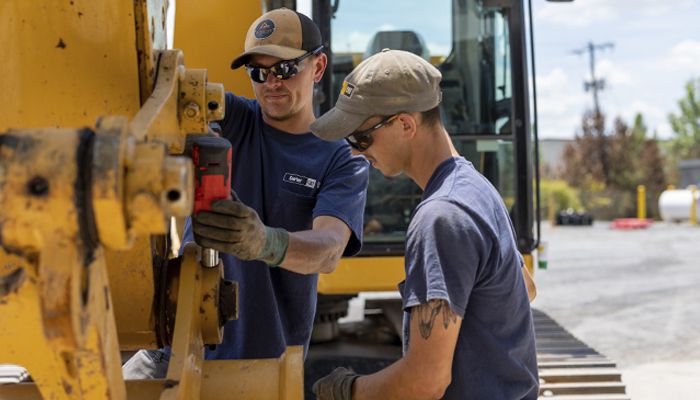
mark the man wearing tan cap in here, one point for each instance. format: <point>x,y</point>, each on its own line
<point>468,330</point>
<point>299,203</point>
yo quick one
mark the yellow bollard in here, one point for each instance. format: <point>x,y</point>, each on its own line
<point>693,205</point>
<point>641,202</point>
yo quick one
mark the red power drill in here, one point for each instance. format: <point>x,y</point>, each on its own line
<point>212,170</point>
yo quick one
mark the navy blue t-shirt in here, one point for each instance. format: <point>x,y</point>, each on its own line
<point>288,180</point>
<point>460,247</point>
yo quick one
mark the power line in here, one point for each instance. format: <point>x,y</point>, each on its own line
<point>594,84</point>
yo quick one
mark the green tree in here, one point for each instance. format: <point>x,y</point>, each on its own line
<point>686,124</point>
<point>607,168</point>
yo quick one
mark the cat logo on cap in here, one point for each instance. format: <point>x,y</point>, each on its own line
<point>347,89</point>
<point>264,29</point>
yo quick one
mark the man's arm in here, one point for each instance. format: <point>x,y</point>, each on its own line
<point>318,249</point>
<point>426,369</point>
<point>424,372</point>
<point>234,228</point>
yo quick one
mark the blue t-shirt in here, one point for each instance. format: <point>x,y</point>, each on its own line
<point>288,180</point>
<point>461,248</point>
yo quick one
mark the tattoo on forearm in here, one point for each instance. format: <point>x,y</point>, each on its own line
<point>427,313</point>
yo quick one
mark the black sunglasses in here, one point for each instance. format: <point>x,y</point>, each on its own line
<point>361,141</point>
<point>283,70</point>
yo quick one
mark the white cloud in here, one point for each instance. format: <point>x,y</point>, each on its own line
<point>614,75</point>
<point>578,13</point>
<point>561,102</point>
<point>587,12</point>
<point>650,111</point>
<point>683,57</point>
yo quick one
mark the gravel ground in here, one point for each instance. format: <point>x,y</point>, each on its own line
<point>634,296</point>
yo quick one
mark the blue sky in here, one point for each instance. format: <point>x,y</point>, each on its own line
<point>656,51</point>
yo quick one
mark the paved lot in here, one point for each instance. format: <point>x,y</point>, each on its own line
<point>632,295</point>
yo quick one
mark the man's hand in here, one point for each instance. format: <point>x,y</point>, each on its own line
<point>234,228</point>
<point>335,386</point>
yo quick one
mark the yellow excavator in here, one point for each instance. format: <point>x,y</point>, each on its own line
<point>97,114</point>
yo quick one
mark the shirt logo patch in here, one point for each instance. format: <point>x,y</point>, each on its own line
<point>264,29</point>
<point>347,89</point>
<point>300,180</point>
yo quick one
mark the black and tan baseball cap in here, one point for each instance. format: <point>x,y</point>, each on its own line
<point>282,33</point>
<point>389,82</point>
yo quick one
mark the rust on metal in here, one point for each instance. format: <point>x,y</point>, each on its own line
<point>11,282</point>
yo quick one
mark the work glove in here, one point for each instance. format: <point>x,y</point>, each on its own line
<point>335,386</point>
<point>232,227</point>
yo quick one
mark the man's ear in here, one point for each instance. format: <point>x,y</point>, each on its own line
<point>409,124</point>
<point>320,63</point>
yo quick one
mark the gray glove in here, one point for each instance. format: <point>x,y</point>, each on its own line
<point>335,386</point>
<point>234,228</point>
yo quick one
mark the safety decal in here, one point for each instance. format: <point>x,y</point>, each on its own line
<point>347,89</point>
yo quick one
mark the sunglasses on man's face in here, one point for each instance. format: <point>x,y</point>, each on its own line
<point>283,70</point>
<point>361,140</point>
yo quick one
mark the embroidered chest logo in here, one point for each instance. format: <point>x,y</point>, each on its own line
<point>264,29</point>
<point>347,89</point>
<point>300,180</point>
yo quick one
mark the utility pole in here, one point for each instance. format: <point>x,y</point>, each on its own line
<point>594,84</point>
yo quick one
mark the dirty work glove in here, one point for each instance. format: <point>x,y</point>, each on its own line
<point>234,228</point>
<point>335,386</point>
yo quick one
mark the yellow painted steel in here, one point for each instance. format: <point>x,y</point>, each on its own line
<point>66,63</point>
<point>212,34</point>
<point>150,23</point>
<point>266,379</point>
<point>187,352</point>
<point>132,287</point>
<point>363,274</point>
<point>57,319</point>
<point>75,62</point>
<point>383,274</point>
<point>641,202</point>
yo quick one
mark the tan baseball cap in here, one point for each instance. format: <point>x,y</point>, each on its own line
<point>389,82</point>
<point>281,33</point>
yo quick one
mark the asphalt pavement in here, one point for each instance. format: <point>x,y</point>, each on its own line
<point>633,295</point>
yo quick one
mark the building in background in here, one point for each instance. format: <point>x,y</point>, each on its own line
<point>551,151</point>
<point>689,173</point>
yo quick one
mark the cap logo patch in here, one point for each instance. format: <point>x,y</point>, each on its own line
<point>264,29</point>
<point>347,89</point>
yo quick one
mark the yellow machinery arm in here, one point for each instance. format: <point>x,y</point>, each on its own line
<point>85,209</point>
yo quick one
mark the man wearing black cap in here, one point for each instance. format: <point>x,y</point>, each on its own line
<point>299,204</point>
<point>468,331</point>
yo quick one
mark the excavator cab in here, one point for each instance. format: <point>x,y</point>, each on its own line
<point>479,46</point>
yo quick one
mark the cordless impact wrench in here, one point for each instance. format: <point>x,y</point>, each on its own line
<point>212,170</point>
